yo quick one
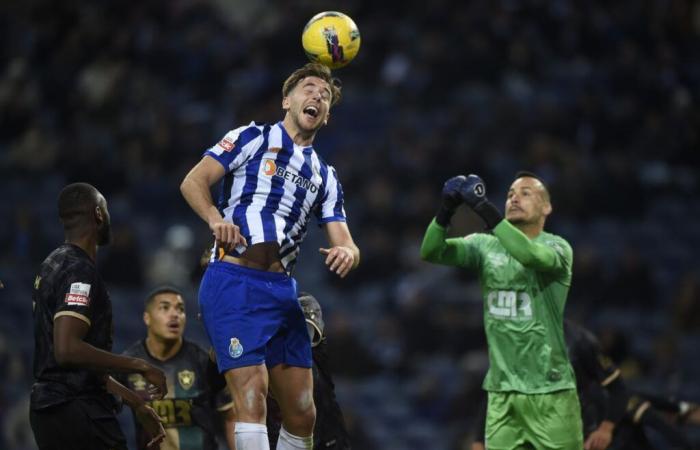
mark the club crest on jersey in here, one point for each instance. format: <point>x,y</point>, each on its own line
<point>79,294</point>
<point>235,349</point>
<point>185,378</point>
<point>271,169</point>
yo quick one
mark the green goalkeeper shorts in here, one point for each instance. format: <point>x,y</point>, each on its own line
<point>534,421</point>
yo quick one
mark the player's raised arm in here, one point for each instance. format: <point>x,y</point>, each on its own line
<point>436,248</point>
<point>556,256</point>
<point>343,255</point>
<point>527,207</point>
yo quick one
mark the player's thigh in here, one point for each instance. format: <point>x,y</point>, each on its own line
<point>503,429</point>
<point>554,421</point>
<point>293,388</point>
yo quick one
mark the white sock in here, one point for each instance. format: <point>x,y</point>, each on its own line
<point>251,436</point>
<point>287,441</point>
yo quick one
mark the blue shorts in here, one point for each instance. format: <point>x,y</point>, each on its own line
<point>253,317</point>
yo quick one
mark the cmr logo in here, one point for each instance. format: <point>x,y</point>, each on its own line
<point>271,169</point>
<point>509,305</point>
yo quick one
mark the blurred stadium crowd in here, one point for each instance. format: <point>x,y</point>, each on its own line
<point>600,98</point>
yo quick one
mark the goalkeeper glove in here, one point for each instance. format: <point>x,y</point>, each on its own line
<point>451,199</point>
<point>473,192</point>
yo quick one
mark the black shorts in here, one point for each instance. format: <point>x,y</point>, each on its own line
<point>80,424</point>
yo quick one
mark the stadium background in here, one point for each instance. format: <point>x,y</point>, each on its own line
<point>600,98</point>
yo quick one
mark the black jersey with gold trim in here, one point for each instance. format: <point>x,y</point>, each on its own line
<point>188,411</point>
<point>68,284</point>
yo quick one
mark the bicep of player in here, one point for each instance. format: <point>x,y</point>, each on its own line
<point>195,188</point>
<point>206,172</point>
<point>546,258</point>
<point>68,334</point>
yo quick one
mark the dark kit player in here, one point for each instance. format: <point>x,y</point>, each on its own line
<point>71,404</point>
<point>188,411</point>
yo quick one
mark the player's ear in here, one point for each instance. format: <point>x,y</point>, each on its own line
<point>285,103</point>
<point>146,318</point>
<point>99,215</point>
<point>547,208</point>
<point>325,121</point>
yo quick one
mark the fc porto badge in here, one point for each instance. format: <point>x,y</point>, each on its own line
<point>185,378</point>
<point>235,349</point>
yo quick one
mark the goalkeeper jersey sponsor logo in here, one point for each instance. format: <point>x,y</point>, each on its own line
<point>510,305</point>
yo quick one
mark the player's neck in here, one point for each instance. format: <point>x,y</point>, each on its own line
<point>298,136</point>
<point>86,242</point>
<point>162,349</point>
<point>531,230</point>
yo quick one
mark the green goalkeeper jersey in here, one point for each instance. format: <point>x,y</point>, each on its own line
<point>524,284</point>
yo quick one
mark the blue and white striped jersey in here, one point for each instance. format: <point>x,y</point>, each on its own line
<point>272,185</point>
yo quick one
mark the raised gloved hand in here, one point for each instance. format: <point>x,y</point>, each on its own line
<point>473,190</point>
<point>473,193</point>
<point>451,199</point>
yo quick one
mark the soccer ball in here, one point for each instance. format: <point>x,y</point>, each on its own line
<point>331,38</point>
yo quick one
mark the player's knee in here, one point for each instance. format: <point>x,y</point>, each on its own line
<point>250,405</point>
<point>301,415</point>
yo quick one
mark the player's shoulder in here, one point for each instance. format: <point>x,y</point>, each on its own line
<point>66,262</point>
<point>480,239</point>
<point>242,135</point>
<point>557,242</point>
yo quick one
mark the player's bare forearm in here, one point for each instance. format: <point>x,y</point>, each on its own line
<point>129,397</point>
<point>71,350</point>
<point>343,255</point>
<point>437,249</point>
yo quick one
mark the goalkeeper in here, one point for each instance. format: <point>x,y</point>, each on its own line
<point>525,274</point>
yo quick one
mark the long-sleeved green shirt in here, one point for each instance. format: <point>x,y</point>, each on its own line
<point>524,284</point>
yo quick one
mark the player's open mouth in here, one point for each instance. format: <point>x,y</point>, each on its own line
<point>174,326</point>
<point>311,111</point>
